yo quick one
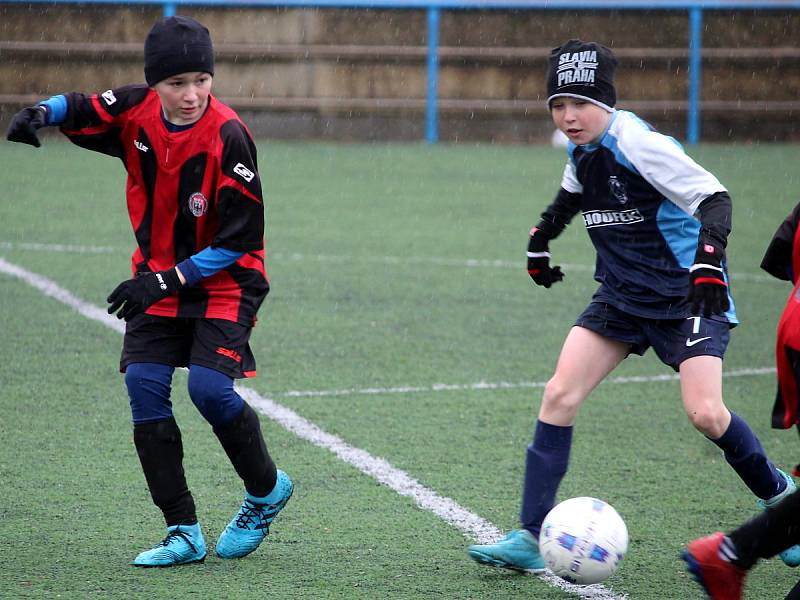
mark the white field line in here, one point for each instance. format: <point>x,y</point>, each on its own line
<point>344,259</point>
<point>500,385</point>
<point>470,524</point>
<point>68,248</point>
<point>53,290</point>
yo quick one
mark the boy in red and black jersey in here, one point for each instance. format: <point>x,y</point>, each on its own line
<point>195,203</point>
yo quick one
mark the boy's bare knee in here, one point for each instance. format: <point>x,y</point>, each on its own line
<point>561,397</point>
<point>711,423</point>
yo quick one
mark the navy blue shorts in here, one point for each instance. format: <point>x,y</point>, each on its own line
<point>178,342</point>
<point>673,340</point>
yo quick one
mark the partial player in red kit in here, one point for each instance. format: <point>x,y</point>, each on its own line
<point>782,260</point>
<point>195,203</point>
<point>719,562</point>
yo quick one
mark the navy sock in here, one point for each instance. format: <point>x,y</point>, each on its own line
<point>745,454</point>
<point>545,467</point>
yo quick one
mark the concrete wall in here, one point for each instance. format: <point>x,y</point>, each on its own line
<point>282,92</point>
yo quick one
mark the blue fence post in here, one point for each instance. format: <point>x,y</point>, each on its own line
<point>695,73</point>
<point>431,105</point>
<point>169,9</point>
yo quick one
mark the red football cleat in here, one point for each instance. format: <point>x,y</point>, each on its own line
<point>796,470</point>
<point>720,579</point>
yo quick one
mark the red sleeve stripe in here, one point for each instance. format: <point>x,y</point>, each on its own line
<point>100,110</point>
<point>87,131</point>
<point>713,280</point>
<point>248,261</point>
<point>232,183</point>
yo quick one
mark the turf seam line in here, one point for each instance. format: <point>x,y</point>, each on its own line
<point>451,512</point>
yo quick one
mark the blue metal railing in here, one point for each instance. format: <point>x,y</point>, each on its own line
<point>695,9</point>
<point>432,96</point>
<point>695,75</point>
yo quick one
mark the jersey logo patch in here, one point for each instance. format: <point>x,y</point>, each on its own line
<point>617,189</point>
<point>109,97</point>
<point>140,146</point>
<point>244,172</point>
<point>198,205</point>
<point>605,218</point>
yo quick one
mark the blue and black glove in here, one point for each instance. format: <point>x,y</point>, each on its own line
<point>135,295</point>
<point>25,124</point>
<point>707,286</point>
<point>539,260</point>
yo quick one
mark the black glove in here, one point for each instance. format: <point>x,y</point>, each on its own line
<point>539,260</point>
<point>707,286</point>
<point>133,296</point>
<point>24,125</point>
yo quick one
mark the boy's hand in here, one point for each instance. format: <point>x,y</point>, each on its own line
<point>539,260</point>
<point>707,286</point>
<point>135,295</point>
<point>24,125</point>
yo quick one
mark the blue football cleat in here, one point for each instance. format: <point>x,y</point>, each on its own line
<point>184,544</point>
<point>790,556</point>
<point>518,551</point>
<point>251,524</point>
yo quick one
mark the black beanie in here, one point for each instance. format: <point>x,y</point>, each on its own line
<point>582,70</point>
<point>177,45</point>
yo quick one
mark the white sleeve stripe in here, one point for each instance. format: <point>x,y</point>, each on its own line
<point>663,163</point>
<point>538,255</point>
<point>569,180</point>
<point>696,266</point>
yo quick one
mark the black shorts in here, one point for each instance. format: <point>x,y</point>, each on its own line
<point>674,340</point>
<point>214,343</point>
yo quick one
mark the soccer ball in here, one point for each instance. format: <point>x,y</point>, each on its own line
<point>583,540</point>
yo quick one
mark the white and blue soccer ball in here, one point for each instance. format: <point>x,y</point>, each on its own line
<point>583,540</point>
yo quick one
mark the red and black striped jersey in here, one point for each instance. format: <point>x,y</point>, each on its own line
<point>186,190</point>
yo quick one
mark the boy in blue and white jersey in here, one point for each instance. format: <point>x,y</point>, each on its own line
<point>659,223</point>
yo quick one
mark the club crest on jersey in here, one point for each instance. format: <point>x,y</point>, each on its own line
<point>617,189</point>
<point>576,67</point>
<point>244,172</point>
<point>198,205</point>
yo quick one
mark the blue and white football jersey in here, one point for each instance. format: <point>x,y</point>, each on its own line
<point>639,190</point>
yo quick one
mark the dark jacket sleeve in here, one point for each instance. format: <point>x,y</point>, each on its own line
<point>715,214</point>
<point>560,212</point>
<point>777,260</point>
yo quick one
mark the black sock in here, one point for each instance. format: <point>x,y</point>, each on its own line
<point>771,532</point>
<point>244,444</point>
<point>160,452</point>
